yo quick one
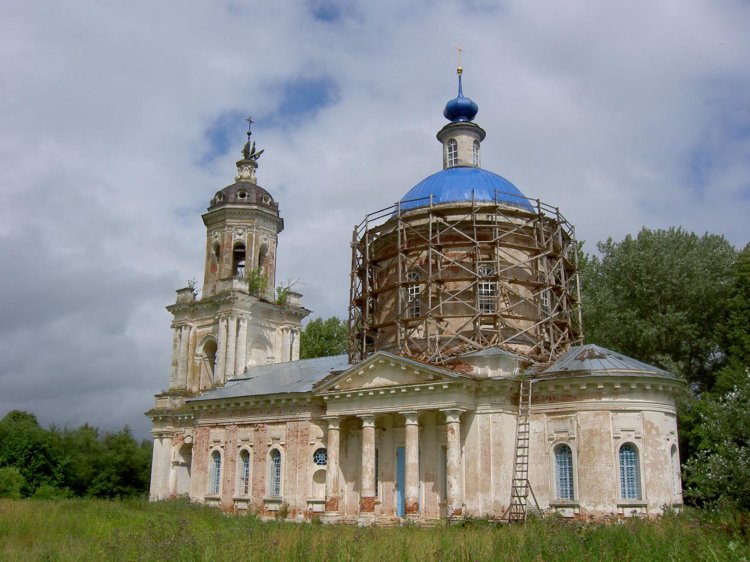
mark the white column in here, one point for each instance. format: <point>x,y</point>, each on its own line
<point>412,463</point>
<point>240,360</point>
<point>332,468</point>
<point>367,488</point>
<point>175,357</point>
<point>295,345</point>
<point>221,351</point>
<point>183,361</point>
<point>231,347</point>
<point>155,469</point>
<point>453,462</point>
<point>166,463</point>
<point>284,345</point>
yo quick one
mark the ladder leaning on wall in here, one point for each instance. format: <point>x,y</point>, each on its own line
<point>520,487</point>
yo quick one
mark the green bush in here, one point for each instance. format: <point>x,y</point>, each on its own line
<point>11,482</point>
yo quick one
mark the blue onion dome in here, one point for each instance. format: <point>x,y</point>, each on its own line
<point>460,108</point>
<point>464,184</point>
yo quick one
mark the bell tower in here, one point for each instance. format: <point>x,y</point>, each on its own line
<point>238,320</point>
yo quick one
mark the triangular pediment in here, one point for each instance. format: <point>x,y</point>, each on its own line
<point>385,370</point>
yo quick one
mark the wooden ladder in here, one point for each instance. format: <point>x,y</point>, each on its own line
<point>520,486</point>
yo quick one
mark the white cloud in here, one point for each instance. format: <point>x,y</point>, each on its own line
<point>609,110</point>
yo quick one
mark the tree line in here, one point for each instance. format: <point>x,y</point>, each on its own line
<point>54,462</point>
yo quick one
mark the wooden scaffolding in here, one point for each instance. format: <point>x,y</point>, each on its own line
<point>433,281</point>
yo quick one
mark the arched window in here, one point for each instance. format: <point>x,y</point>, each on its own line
<point>452,153</point>
<point>274,481</point>
<point>630,473</point>
<point>238,260</point>
<point>208,359</point>
<point>564,472</point>
<point>262,253</point>
<point>475,153</point>
<point>486,290</point>
<point>243,480</point>
<point>214,482</point>
<point>413,300</point>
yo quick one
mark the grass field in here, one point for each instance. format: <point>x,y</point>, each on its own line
<point>138,530</point>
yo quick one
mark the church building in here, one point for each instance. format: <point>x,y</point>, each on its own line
<point>467,390</point>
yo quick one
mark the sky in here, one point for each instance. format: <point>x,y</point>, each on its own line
<point>120,120</point>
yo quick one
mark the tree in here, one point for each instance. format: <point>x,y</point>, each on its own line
<point>718,471</point>
<point>35,452</point>
<point>660,297</point>
<point>124,467</point>
<point>322,338</point>
<point>735,329</point>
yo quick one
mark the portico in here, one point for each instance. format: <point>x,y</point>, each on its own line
<point>394,440</point>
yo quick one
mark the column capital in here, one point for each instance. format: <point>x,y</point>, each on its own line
<point>368,420</point>
<point>452,415</point>
<point>334,422</point>
<point>411,417</point>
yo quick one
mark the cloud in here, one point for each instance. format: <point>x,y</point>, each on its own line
<point>118,122</point>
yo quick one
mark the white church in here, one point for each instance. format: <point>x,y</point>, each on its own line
<point>466,392</point>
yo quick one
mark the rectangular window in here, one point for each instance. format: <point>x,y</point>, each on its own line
<point>413,302</point>
<point>487,292</point>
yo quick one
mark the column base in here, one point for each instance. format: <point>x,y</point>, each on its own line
<point>366,519</point>
<point>330,517</point>
<point>367,504</point>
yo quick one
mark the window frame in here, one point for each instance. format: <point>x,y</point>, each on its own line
<point>451,153</point>
<point>558,468</point>
<point>413,295</point>
<point>244,471</point>
<point>629,473</point>
<point>275,473</point>
<point>214,474</point>
<point>475,153</point>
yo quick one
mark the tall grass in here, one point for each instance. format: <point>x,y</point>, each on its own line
<point>137,530</point>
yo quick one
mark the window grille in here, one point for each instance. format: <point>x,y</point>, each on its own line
<point>244,483</point>
<point>320,457</point>
<point>452,153</point>
<point>630,473</point>
<point>413,293</point>
<point>275,490</point>
<point>215,482</point>
<point>487,290</point>
<point>564,472</point>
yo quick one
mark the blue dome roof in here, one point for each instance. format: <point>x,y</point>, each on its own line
<point>464,183</point>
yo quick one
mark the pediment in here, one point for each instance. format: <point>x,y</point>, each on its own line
<point>385,370</point>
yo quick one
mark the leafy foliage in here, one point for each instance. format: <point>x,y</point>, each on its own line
<point>256,282</point>
<point>716,425</point>
<point>660,297</point>
<point>718,472</point>
<point>61,463</point>
<point>322,338</point>
<point>11,482</point>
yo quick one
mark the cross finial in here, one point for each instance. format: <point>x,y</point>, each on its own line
<point>459,50</point>
<point>249,124</point>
